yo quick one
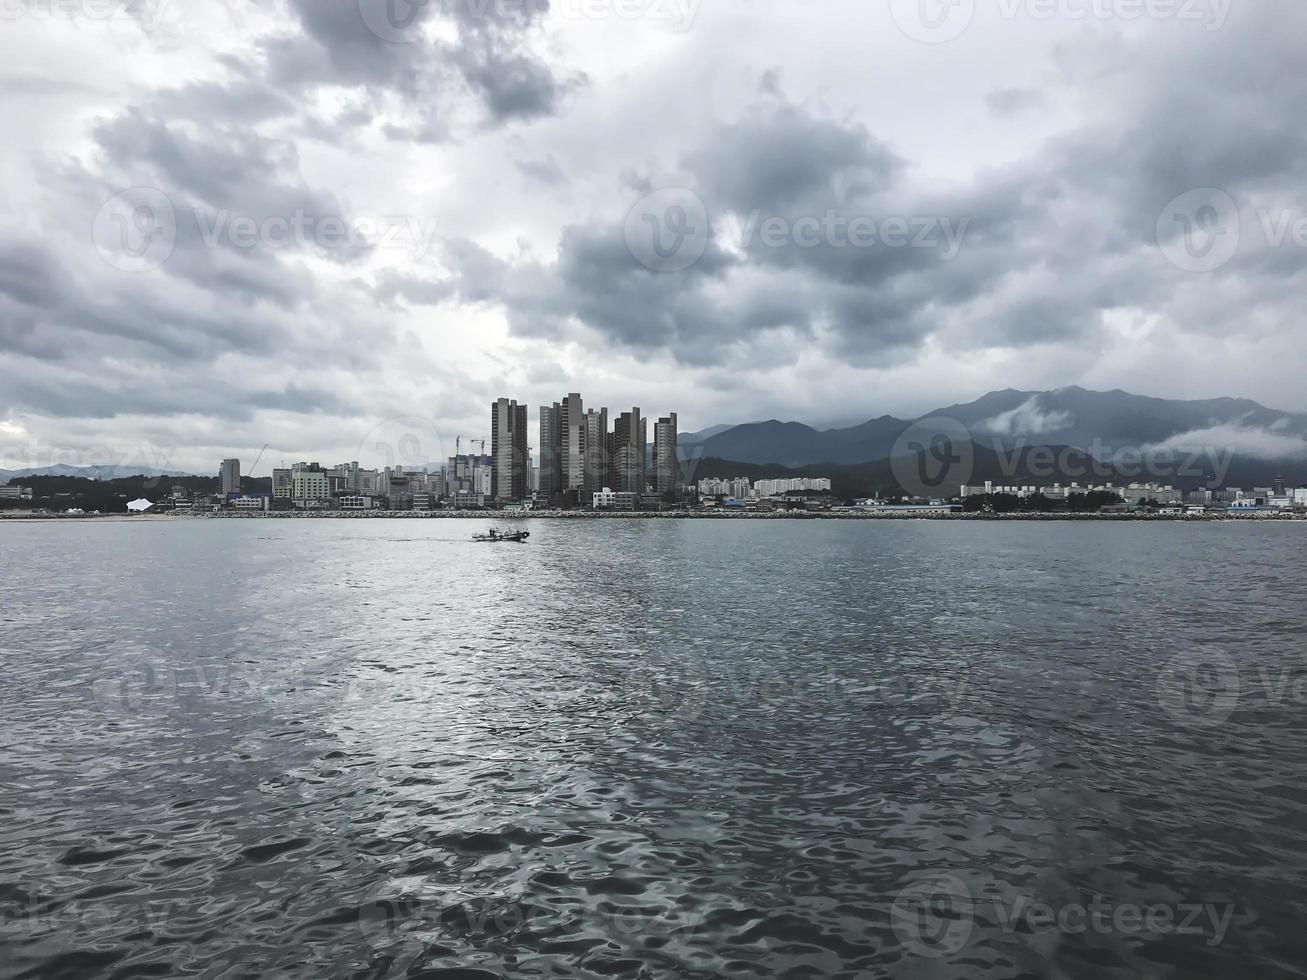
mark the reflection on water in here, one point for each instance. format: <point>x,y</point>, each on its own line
<point>652,749</point>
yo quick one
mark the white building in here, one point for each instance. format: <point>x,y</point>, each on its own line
<point>310,486</point>
<point>774,488</point>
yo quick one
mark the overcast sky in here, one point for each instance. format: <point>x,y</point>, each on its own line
<point>342,227</point>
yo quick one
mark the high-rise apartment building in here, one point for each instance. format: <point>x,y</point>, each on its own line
<point>572,420</point>
<point>630,437</point>
<point>509,449</point>
<point>667,467</point>
<point>230,474</point>
<point>551,449</point>
<point>597,452</point>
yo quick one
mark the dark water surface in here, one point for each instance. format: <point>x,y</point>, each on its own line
<point>653,749</point>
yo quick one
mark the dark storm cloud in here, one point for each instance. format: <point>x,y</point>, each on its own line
<point>781,157</point>
<point>1047,246</point>
<point>494,57</point>
<point>781,161</point>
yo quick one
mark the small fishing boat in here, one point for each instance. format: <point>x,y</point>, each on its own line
<point>502,536</point>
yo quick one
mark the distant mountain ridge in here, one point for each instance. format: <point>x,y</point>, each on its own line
<point>90,472</point>
<point>1103,423</point>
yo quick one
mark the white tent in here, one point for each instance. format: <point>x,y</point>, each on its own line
<point>139,506</point>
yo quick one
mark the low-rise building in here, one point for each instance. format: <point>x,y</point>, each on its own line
<point>310,488</point>
<point>774,488</point>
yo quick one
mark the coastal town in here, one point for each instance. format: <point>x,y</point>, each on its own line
<point>580,464</point>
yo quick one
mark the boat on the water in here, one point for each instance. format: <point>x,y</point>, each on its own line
<point>502,536</point>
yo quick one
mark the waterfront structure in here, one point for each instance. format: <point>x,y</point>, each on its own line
<point>551,450</point>
<point>597,451</point>
<point>667,466</point>
<point>352,479</point>
<point>469,500</point>
<point>1133,494</point>
<point>508,450</point>
<point>774,488</point>
<point>572,420</point>
<point>310,487</point>
<point>400,493</point>
<point>738,488</point>
<point>468,473</point>
<point>281,484</point>
<point>629,451</point>
<point>230,474</point>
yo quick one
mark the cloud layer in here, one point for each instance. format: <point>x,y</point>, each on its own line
<point>228,225</point>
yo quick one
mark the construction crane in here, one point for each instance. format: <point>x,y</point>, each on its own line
<point>482,442</point>
<point>256,460</point>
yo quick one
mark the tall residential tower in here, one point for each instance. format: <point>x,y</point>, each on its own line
<point>629,440</point>
<point>667,467</point>
<point>509,450</point>
<point>551,450</point>
<point>230,474</point>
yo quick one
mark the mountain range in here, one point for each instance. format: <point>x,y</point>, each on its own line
<point>1240,439</point>
<point>1108,425</point>
<point>105,472</point>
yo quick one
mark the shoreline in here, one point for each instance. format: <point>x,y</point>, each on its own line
<point>652,516</point>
